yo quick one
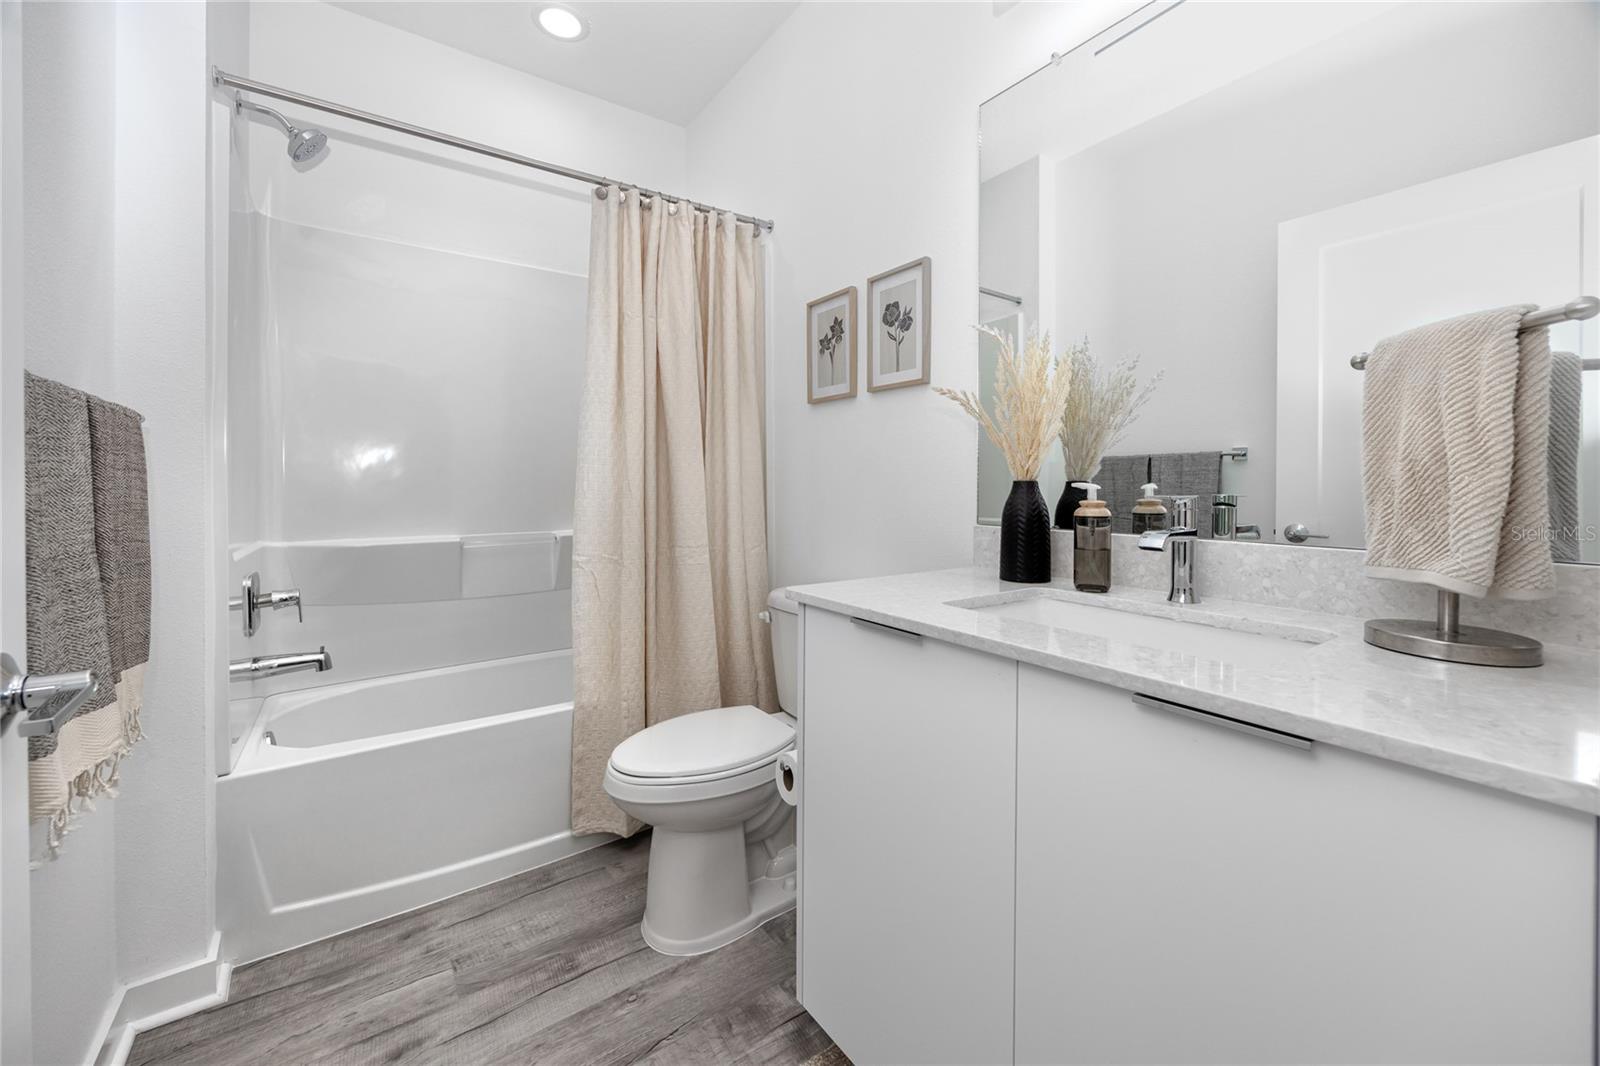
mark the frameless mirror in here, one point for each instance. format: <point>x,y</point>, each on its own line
<point>1244,196</point>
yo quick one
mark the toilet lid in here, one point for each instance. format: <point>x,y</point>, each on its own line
<point>705,742</point>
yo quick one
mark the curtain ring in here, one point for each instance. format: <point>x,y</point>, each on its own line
<point>600,192</point>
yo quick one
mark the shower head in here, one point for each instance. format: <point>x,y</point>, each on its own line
<point>305,145</point>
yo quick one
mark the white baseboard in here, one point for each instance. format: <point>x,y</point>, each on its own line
<point>164,998</point>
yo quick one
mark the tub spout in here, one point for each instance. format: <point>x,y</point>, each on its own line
<point>268,665</point>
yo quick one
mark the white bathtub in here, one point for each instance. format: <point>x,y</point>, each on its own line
<point>357,801</point>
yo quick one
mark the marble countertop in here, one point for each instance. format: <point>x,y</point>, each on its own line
<point>1534,732</point>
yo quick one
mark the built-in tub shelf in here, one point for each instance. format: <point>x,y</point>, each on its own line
<point>413,569</point>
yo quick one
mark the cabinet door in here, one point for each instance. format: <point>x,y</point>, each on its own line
<point>908,750</point>
<point>1187,893</point>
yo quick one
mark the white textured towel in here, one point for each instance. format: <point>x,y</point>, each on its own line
<point>1455,428</point>
<point>1566,438</point>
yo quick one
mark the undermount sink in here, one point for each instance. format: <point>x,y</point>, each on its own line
<point>1210,637</point>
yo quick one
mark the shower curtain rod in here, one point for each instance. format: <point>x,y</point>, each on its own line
<point>233,81</point>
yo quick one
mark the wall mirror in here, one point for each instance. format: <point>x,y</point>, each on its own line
<point>1244,196</point>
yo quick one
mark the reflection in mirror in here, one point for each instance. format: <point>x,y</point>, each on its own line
<point>1244,196</point>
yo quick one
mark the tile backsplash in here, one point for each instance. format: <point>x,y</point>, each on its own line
<point>1331,580</point>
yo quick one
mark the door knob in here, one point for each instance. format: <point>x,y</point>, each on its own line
<point>29,692</point>
<point>1299,533</point>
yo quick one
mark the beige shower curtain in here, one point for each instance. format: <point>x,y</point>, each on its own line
<point>669,559</point>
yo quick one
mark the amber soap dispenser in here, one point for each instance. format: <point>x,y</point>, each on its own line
<point>1091,541</point>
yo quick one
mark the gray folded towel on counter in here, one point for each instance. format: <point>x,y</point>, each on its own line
<point>88,602</point>
<point>1197,474</point>
<point>1455,456</point>
<point>1566,437</point>
<point>1120,479</point>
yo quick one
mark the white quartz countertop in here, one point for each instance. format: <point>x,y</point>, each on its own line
<point>1534,732</point>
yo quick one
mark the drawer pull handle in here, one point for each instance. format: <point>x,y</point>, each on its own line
<point>894,631</point>
<point>1277,736</point>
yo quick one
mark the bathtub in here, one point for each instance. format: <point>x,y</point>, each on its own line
<point>353,802</point>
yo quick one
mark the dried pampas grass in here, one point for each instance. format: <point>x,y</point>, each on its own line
<point>1103,404</point>
<point>1030,394</point>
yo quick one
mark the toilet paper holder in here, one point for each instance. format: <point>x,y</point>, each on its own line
<point>787,774</point>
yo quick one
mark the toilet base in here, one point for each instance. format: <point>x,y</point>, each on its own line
<point>769,898</point>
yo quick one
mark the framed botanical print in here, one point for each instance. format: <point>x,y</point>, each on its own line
<point>899,326</point>
<point>831,347</point>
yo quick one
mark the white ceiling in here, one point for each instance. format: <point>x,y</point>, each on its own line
<point>666,59</point>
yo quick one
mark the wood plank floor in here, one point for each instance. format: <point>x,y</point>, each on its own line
<point>545,967</point>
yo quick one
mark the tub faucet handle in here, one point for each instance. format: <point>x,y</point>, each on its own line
<point>285,598</point>
<point>251,601</point>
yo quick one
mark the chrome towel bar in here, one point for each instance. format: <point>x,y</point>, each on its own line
<point>1575,311</point>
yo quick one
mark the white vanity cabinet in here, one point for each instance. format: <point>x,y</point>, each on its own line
<point>1187,892</point>
<point>1004,863</point>
<point>908,748</point>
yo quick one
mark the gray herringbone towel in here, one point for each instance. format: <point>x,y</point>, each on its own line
<point>1566,437</point>
<point>88,603</point>
<point>1197,474</point>
<point>1455,430</point>
<point>1121,477</point>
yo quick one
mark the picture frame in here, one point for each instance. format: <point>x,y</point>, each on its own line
<point>899,352</point>
<point>831,346</point>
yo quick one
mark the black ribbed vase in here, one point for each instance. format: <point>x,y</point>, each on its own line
<point>1067,506</point>
<point>1025,535</point>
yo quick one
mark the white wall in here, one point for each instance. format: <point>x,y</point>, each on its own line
<point>114,302</point>
<point>855,127</point>
<point>69,68</point>
<point>165,854</point>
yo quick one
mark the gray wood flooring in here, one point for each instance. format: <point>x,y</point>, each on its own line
<point>546,967</point>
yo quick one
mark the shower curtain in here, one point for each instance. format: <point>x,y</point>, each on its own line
<point>669,559</point>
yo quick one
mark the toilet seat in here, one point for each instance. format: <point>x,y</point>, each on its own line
<point>705,746</point>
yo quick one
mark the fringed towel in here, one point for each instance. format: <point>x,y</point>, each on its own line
<point>1455,427</point>
<point>88,561</point>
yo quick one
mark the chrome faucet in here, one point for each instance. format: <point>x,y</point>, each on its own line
<point>1225,519</point>
<point>1182,534</point>
<point>268,665</point>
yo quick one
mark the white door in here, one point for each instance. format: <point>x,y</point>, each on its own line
<point>16,983</point>
<point>994,478</point>
<point>1518,231</point>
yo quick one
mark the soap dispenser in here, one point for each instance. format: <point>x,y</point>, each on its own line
<point>1148,513</point>
<point>1091,541</point>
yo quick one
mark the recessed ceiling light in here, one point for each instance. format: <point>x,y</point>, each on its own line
<point>562,23</point>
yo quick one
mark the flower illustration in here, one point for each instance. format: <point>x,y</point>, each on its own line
<point>899,325</point>
<point>829,346</point>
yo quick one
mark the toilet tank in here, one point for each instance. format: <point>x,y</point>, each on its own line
<point>785,615</point>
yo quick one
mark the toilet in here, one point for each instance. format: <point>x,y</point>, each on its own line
<point>722,854</point>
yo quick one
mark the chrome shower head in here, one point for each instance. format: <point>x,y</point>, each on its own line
<point>305,145</point>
